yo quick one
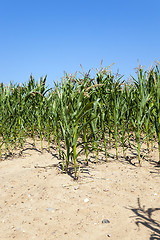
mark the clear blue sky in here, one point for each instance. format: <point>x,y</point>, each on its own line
<point>48,37</point>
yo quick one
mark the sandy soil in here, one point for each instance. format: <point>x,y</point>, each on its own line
<point>114,200</point>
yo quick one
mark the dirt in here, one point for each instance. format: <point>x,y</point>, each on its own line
<point>113,200</point>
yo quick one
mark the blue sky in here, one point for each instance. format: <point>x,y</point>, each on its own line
<point>48,37</point>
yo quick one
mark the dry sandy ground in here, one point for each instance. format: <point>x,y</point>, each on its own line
<point>38,202</point>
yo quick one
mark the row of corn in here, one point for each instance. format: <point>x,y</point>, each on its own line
<point>85,114</point>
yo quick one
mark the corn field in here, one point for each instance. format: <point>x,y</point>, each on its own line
<point>85,114</point>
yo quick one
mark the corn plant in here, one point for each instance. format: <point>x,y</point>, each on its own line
<point>140,111</point>
<point>156,111</point>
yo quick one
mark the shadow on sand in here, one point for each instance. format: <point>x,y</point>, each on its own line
<point>145,217</point>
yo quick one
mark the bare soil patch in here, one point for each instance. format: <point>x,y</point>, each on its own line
<point>38,202</point>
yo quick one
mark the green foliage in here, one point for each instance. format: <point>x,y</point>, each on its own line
<point>86,114</point>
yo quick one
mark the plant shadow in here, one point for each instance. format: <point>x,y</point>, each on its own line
<point>145,217</point>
